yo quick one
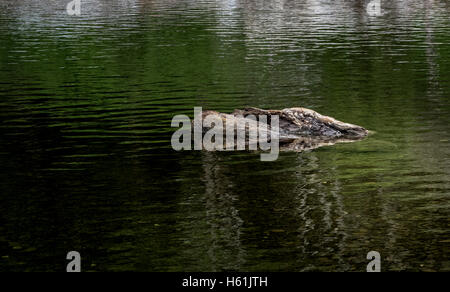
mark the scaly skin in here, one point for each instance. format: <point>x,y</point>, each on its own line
<point>300,129</point>
<point>302,122</point>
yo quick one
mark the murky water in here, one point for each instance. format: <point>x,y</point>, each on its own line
<point>86,163</point>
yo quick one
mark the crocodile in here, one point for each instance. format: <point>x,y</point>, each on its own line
<point>300,128</point>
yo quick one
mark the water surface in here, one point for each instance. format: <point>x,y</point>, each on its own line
<point>85,110</point>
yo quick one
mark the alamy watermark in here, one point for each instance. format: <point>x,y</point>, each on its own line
<point>218,132</point>
<point>74,266</point>
<point>374,8</point>
<point>74,8</point>
<point>375,262</point>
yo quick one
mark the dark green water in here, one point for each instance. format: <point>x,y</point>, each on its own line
<point>86,163</point>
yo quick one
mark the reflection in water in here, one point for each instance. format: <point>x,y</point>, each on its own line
<point>326,232</point>
<point>225,252</point>
<point>431,52</point>
<point>85,110</point>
